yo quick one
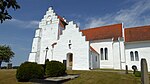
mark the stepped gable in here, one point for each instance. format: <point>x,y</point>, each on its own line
<point>104,32</point>
<point>52,17</point>
<point>141,33</point>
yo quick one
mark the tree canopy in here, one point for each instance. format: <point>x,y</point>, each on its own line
<point>5,54</point>
<point>4,6</point>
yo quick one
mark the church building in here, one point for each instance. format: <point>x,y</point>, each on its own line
<point>106,47</point>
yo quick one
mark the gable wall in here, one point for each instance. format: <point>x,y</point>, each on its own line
<point>79,47</point>
<point>94,60</point>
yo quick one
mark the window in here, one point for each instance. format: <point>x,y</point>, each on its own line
<point>106,54</point>
<point>69,44</point>
<point>132,56</point>
<point>136,56</point>
<point>96,58</point>
<point>69,41</point>
<point>101,52</point>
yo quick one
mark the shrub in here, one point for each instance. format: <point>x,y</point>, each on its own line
<point>4,67</point>
<point>55,68</point>
<point>29,70</point>
<point>137,74</point>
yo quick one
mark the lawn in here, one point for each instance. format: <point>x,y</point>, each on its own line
<point>8,77</point>
<point>99,77</point>
<point>86,77</point>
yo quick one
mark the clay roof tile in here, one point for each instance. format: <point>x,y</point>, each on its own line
<point>141,33</point>
<point>104,32</point>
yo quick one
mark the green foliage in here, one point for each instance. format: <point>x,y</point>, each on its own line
<point>29,70</point>
<point>4,67</point>
<point>5,53</point>
<point>137,74</point>
<point>4,6</point>
<point>55,68</point>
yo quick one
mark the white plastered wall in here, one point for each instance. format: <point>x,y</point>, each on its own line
<point>143,49</point>
<point>94,60</point>
<point>45,37</point>
<point>33,55</point>
<point>79,47</point>
<point>119,54</point>
<point>106,43</point>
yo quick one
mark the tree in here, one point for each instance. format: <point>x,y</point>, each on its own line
<point>5,54</point>
<point>4,6</point>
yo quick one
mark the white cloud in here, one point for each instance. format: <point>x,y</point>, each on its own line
<point>23,24</point>
<point>95,22</point>
<point>131,16</point>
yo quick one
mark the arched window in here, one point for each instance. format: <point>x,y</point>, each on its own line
<point>101,52</point>
<point>106,54</point>
<point>136,56</point>
<point>132,56</point>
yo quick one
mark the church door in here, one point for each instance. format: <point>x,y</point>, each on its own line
<point>69,61</point>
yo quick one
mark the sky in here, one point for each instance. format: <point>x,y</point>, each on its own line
<point>18,32</point>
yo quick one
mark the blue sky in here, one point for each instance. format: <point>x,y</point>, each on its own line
<point>19,32</point>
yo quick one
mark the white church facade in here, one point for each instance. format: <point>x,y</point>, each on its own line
<point>108,47</point>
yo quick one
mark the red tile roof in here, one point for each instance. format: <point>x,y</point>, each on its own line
<point>137,34</point>
<point>92,49</point>
<point>62,22</point>
<point>104,32</point>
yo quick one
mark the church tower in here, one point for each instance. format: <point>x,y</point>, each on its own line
<point>46,36</point>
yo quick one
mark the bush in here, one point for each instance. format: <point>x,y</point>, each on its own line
<point>137,74</point>
<point>29,70</point>
<point>55,68</point>
<point>4,67</point>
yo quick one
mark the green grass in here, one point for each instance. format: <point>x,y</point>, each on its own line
<point>9,77</point>
<point>86,77</point>
<point>98,77</point>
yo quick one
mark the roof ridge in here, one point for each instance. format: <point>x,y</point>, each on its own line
<point>137,26</point>
<point>101,26</point>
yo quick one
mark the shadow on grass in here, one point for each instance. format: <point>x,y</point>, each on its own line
<point>55,80</point>
<point>42,81</point>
